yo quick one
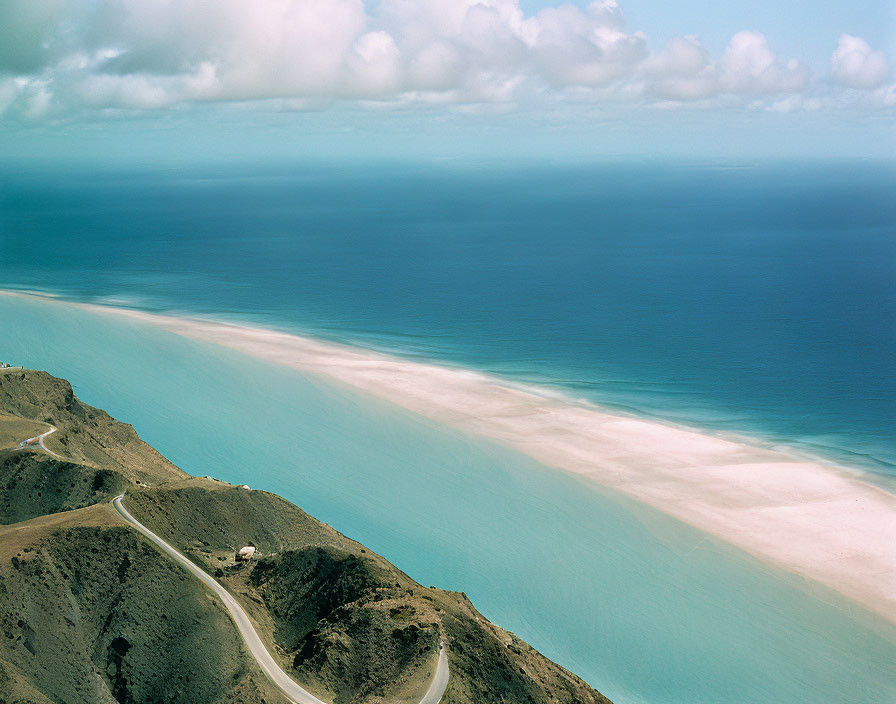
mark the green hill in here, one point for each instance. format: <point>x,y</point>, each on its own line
<point>91,611</point>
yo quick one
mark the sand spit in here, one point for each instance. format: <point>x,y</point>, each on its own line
<point>807,516</point>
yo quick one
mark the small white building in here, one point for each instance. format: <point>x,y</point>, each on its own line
<point>246,553</point>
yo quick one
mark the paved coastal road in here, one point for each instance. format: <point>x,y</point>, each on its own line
<point>440,681</point>
<point>39,439</point>
<point>267,663</point>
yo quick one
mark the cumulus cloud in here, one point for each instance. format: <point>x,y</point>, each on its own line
<point>855,65</point>
<point>62,55</point>
<point>750,66</point>
<point>570,46</point>
<point>152,53</point>
<point>684,69</point>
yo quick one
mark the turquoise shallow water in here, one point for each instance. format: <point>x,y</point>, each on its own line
<point>643,607</point>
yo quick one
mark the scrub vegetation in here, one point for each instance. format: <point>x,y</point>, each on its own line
<point>90,611</point>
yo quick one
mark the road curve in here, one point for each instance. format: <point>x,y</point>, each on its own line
<point>39,439</point>
<point>288,686</point>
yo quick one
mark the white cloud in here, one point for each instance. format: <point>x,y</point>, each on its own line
<point>149,54</point>
<point>684,70</point>
<point>588,48</point>
<point>795,103</point>
<point>855,65</point>
<point>750,66</point>
<point>374,64</point>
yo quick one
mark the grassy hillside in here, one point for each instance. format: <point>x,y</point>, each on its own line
<point>14,429</point>
<point>33,484</point>
<point>91,612</point>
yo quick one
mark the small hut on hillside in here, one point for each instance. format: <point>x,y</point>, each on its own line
<point>245,554</point>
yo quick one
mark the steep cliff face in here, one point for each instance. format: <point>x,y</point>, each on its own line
<point>345,620</point>
<point>85,435</point>
<point>90,611</point>
<point>347,623</point>
<point>355,627</point>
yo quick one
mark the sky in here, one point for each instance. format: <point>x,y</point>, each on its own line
<point>156,80</point>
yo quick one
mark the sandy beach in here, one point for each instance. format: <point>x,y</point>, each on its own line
<point>806,516</point>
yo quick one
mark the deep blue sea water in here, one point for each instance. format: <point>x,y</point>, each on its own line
<point>755,300</point>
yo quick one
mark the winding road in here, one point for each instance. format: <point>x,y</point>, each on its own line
<point>290,688</point>
<point>293,691</point>
<point>39,439</point>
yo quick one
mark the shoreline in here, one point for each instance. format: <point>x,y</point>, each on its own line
<point>839,530</point>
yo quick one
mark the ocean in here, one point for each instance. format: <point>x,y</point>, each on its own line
<point>759,300</point>
<point>752,300</point>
